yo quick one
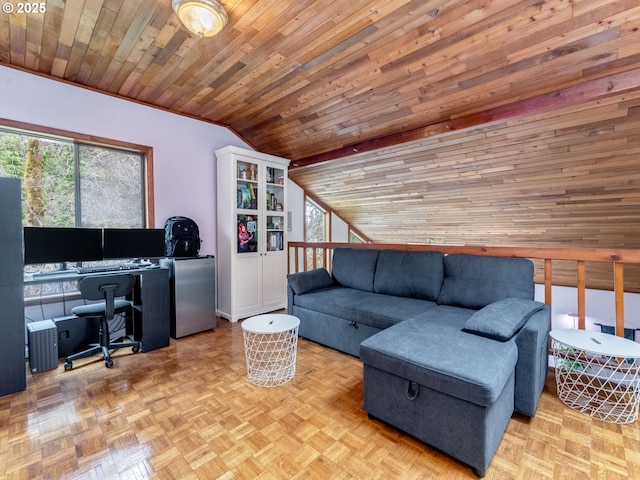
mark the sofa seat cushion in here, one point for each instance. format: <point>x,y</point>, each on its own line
<point>409,274</point>
<point>446,318</point>
<point>380,311</point>
<point>459,364</point>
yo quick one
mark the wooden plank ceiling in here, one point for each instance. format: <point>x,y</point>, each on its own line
<point>501,122</point>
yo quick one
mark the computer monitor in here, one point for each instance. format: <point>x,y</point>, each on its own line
<point>61,245</point>
<point>138,243</point>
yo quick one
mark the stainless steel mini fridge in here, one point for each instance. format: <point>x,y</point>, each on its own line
<point>193,294</point>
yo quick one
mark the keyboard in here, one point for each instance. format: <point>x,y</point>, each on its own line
<point>117,267</point>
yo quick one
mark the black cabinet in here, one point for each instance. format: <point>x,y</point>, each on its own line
<point>13,377</point>
<point>151,315</point>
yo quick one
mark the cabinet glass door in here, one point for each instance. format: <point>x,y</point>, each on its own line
<point>274,202</point>
<point>247,233</point>
<point>247,186</point>
<point>275,233</point>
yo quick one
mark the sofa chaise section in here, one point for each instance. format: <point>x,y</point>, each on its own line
<point>436,386</point>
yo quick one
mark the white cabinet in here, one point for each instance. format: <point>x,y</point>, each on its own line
<point>252,248</point>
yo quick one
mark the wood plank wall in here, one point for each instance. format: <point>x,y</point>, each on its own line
<point>567,178</point>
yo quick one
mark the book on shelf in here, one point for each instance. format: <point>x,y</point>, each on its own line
<point>275,241</point>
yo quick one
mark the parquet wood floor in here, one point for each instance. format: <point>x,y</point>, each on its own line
<point>188,412</point>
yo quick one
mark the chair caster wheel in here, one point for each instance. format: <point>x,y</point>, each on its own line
<point>68,365</point>
<point>135,349</point>
<point>108,363</point>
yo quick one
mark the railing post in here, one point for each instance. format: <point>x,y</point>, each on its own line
<point>618,286</point>
<point>548,285</point>
<point>547,281</point>
<point>581,294</point>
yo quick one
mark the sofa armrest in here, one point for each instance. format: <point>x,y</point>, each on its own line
<point>533,361</point>
<point>290,296</point>
<point>303,282</point>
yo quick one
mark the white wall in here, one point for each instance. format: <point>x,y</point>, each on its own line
<point>183,148</point>
<point>599,306</point>
<point>295,200</point>
<point>295,205</point>
<point>339,229</point>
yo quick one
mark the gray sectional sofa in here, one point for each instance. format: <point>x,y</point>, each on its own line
<point>451,345</point>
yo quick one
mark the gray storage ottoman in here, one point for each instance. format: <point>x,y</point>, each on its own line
<point>448,388</point>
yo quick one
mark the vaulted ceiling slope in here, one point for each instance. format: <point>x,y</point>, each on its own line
<point>297,78</point>
<point>502,122</point>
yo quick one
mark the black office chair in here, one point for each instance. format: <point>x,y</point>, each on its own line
<point>107,288</point>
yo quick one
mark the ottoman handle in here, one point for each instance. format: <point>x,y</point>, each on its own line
<point>413,390</point>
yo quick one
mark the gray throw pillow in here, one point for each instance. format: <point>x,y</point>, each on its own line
<point>502,319</point>
<point>304,282</point>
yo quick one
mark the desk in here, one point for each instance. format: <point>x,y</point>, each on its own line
<point>597,374</point>
<point>150,297</point>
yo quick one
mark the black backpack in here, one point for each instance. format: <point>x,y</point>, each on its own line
<point>182,237</point>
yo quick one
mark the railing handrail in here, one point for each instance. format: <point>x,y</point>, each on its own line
<point>616,257</point>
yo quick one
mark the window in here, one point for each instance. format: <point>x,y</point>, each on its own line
<point>354,237</point>
<point>70,181</point>
<point>110,188</point>
<point>72,184</point>
<point>315,230</point>
<point>314,222</point>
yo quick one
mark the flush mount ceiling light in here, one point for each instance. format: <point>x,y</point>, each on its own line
<point>205,18</point>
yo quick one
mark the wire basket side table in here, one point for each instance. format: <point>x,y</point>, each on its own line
<point>597,374</point>
<point>270,344</point>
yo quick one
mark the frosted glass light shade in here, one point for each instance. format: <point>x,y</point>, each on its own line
<point>205,18</point>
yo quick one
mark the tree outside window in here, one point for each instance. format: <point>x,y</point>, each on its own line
<point>314,222</point>
<point>354,237</point>
<point>315,230</point>
<point>111,188</point>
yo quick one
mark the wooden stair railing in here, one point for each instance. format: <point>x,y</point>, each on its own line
<point>319,254</point>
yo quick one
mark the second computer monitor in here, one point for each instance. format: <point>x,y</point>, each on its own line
<point>133,243</point>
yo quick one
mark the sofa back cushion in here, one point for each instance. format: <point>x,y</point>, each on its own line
<point>473,281</point>
<point>409,274</point>
<point>354,267</point>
